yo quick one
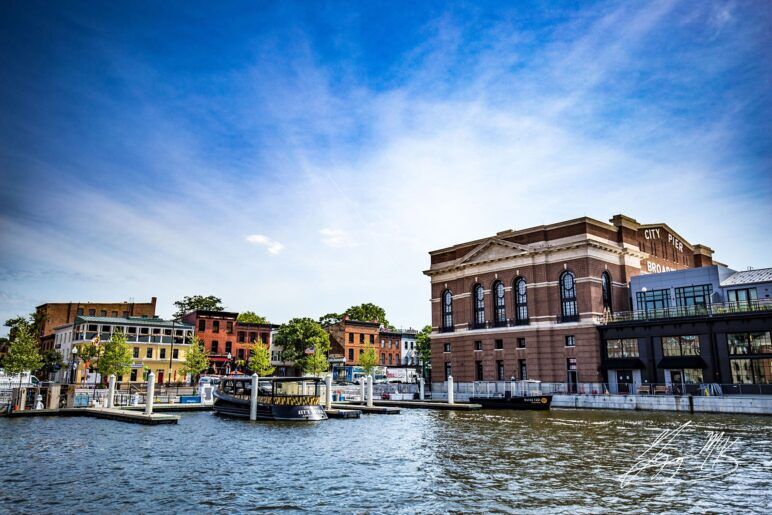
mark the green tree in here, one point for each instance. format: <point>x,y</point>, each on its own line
<point>368,359</point>
<point>299,335</point>
<point>260,361</point>
<point>23,352</point>
<point>368,312</point>
<point>52,361</point>
<point>316,362</point>
<point>423,344</point>
<point>196,360</point>
<point>329,319</point>
<point>115,357</point>
<point>188,304</point>
<point>16,322</point>
<point>250,317</point>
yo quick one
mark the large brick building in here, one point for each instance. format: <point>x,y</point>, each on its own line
<point>55,314</point>
<point>527,303</point>
<point>348,339</point>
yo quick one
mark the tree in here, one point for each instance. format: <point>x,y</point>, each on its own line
<point>250,317</point>
<point>52,361</point>
<point>115,357</point>
<point>368,312</point>
<point>299,335</point>
<point>368,359</point>
<point>23,352</point>
<point>16,322</point>
<point>316,362</point>
<point>329,319</point>
<point>423,344</point>
<point>188,304</point>
<point>260,362</point>
<point>196,359</point>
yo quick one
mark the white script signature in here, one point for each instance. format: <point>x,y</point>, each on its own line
<point>671,457</point>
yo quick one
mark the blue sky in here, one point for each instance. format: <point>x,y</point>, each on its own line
<point>298,158</point>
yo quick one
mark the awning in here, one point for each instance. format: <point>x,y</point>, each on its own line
<point>682,362</point>
<point>612,364</point>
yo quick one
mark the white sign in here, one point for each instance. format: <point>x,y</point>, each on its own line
<point>654,234</point>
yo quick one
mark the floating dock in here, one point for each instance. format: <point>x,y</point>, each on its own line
<point>103,413</point>
<point>343,413</point>
<point>368,410</point>
<point>458,406</point>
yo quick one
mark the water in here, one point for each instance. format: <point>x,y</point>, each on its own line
<point>419,461</point>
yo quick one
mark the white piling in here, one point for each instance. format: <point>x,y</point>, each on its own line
<point>110,390</point>
<point>421,388</point>
<point>362,381</point>
<point>328,392</point>
<point>451,394</point>
<point>369,391</point>
<point>150,394</point>
<point>253,398</point>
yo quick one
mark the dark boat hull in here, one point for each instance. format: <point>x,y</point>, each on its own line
<point>229,406</point>
<point>529,402</point>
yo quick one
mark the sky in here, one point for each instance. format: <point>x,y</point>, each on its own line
<point>297,158</point>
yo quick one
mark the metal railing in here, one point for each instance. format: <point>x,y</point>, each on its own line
<point>699,310</point>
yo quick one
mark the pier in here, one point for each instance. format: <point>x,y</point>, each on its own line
<point>121,415</point>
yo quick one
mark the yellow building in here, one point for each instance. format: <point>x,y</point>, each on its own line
<point>157,345</point>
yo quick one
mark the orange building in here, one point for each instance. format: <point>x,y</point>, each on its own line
<point>348,339</point>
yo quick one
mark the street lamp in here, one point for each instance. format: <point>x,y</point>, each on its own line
<point>73,361</point>
<point>228,365</point>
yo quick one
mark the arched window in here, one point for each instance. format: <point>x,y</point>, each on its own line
<point>499,309</point>
<point>447,311</point>
<point>605,284</point>
<point>478,298</point>
<point>568,298</point>
<point>521,302</point>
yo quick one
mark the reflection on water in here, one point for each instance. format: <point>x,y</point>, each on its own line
<point>425,461</point>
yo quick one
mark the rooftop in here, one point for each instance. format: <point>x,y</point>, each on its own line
<point>154,322</point>
<point>761,275</point>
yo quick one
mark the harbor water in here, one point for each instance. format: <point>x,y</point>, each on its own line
<point>561,461</point>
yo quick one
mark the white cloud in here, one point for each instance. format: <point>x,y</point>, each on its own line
<point>336,238</point>
<point>272,246</point>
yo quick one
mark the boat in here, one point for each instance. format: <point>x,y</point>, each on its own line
<point>523,395</point>
<point>278,398</point>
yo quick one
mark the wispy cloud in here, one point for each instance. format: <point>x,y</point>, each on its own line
<point>272,246</point>
<point>336,238</point>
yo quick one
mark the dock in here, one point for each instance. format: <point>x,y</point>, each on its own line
<point>172,408</point>
<point>103,413</point>
<point>457,406</point>
<point>343,413</point>
<point>368,410</point>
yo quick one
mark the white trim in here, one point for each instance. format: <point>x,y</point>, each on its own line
<point>516,329</point>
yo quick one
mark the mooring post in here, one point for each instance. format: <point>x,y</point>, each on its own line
<point>253,399</point>
<point>328,392</point>
<point>362,382</point>
<point>370,391</point>
<point>110,390</point>
<point>421,388</point>
<point>451,395</point>
<point>150,393</point>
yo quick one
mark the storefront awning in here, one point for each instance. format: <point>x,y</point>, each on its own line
<point>632,363</point>
<point>682,362</point>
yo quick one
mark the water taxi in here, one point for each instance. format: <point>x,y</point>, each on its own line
<point>523,395</point>
<point>278,398</point>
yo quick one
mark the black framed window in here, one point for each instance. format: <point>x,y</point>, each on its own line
<point>448,370</point>
<point>214,347</point>
<point>499,370</point>
<point>447,310</point>
<point>162,354</point>
<point>693,295</point>
<point>681,346</point>
<point>570,341</point>
<point>651,301</point>
<point>479,370</point>
<point>499,345</point>
<point>521,343</point>
<point>605,284</point>
<point>622,348</point>
<point>446,347</point>
<point>569,311</point>
<point>477,345</point>
<point>521,302</point>
<point>749,343</point>
<point>478,296</point>
<point>351,354</point>
<point>499,309</point>
<point>742,296</point>
<point>202,325</point>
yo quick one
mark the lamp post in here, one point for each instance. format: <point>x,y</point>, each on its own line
<point>171,354</point>
<point>228,364</point>
<point>73,360</point>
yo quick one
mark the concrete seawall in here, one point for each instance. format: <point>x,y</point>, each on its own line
<point>748,404</point>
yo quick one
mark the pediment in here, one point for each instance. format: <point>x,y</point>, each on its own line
<point>492,250</point>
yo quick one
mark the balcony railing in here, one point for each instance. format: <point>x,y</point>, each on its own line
<point>700,310</point>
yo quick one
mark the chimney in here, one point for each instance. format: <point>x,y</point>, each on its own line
<point>703,255</point>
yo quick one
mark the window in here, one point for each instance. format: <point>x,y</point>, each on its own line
<point>133,375</point>
<point>362,338</point>
<point>390,359</point>
<point>136,352</point>
<point>693,295</point>
<point>405,345</point>
<point>91,312</point>
<point>229,327</point>
<point>447,311</point>
<point>605,284</point>
<point>163,354</point>
<point>568,308</point>
<point>521,343</point>
<point>499,309</point>
<point>125,314</point>
<point>372,338</point>
<point>114,314</point>
<point>149,352</point>
<point>751,371</point>
<point>681,346</point>
<point>202,325</point>
<point>478,345</point>
<point>653,300</point>
<point>521,302</point>
<point>215,326</point>
<point>383,359</point>
<point>215,346</point>
<point>622,348</point>
<point>448,370</point>
<point>749,343</point>
<point>570,341</point>
<point>478,294</point>
<point>176,354</point>
<point>242,336</point>
<point>499,370</point>
<point>228,347</point>
<point>446,347</point>
<point>103,313</point>
<point>241,353</point>
<point>499,345</point>
<point>351,354</point>
<point>741,297</point>
<point>522,368</point>
<point>383,344</point>
<point>80,311</point>
<point>351,337</point>
<point>478,365</point>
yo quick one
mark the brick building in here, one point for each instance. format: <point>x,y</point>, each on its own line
<point>389,350</point>
<point>527,303</point>
<point>222,335</point>
<point>56,314</point>
<point>348,339</point>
